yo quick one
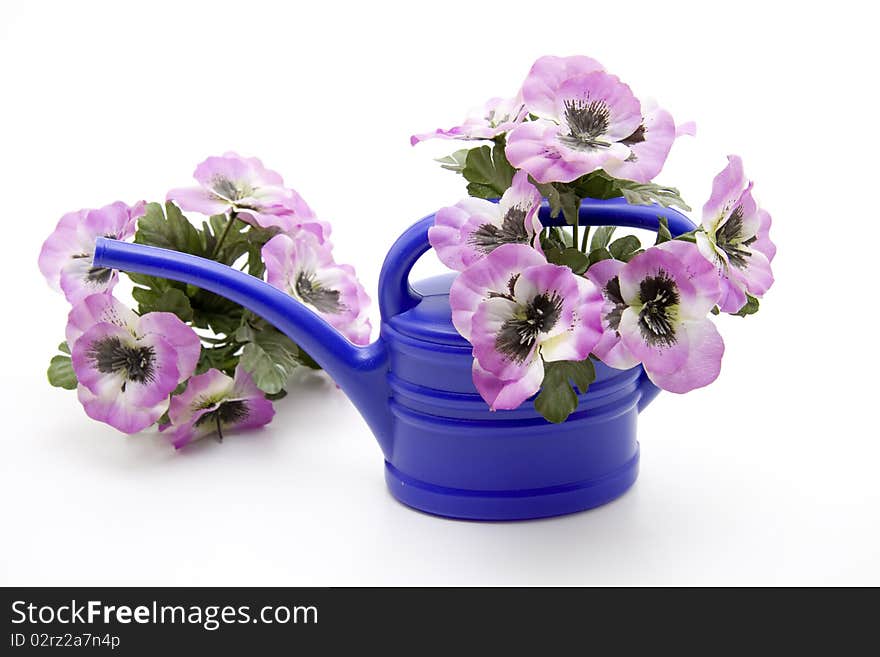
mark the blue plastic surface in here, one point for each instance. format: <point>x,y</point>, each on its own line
<point>445,452</point>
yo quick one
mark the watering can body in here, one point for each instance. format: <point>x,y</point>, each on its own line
<point>445,452</point>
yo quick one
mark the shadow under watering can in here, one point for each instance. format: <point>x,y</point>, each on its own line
<point>445,452</point>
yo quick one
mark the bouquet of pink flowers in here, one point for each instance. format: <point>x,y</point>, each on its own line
<point>187,360</point>
<point>538,303</point>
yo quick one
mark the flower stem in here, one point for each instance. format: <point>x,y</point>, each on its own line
<point>233,217</point>
<point>574,233</point>
<point>584,239</point>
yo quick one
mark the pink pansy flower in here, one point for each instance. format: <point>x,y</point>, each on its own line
<point>304,268</point>
<point>656,314</point>
<point>606,275</point>
<point>127,366</point>
<point>541,313</point>
<point>735,238</point>
<point>474,227</point>
<point>497,116</point>
<point>66,256</point>
<point>243,185</point>
<point>588,120</point>
<point>215,403</point>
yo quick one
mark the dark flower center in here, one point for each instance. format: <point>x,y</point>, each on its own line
<point>518,334</point>
<point>111,356</point>
<point>228,190</point>
<point>618,305</point>
<point>99,275</point>
<point>95,275</point>
<point>660,297</point>
<point>311,292</point>
<point>728,237</point>
<point>227,413</point>
<point>489,237</point>
<point>587,121</point>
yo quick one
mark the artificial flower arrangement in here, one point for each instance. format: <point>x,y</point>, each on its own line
<point>189,361</point>
<point>538,303</point>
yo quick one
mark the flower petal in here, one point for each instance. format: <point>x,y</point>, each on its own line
<point>448,237</point>
<point>96,309</point>
<point>503,394</point>
<point>657,357</point>
<point>197,199</point>
<point>118,412</point>
<point>702,364</point>
<point>547,74</point>
<point>726,190</point>
<point>584,331</point>
<point>180,336</point>
<point>647,157</point>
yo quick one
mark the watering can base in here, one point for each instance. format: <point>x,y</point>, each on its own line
<point>513,504</point>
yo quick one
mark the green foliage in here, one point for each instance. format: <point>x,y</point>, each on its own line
<point>555,238</point>
<point>558,399</point>
<point>169,300</point>
<point>624,248</point>
<point>454,162</point>
<point>168,229</point>
<point>597,255</point>
<point>648,193</point>
<point>487,171</point>
<point>60,372</point>
<point>598,185</point>
<point>663,234</point>
<point>601,237</point>
<point>750,308</point>
<point>570,257</point>
<point>270,358</point>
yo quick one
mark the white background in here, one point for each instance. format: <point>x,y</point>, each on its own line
<point>769,476</point>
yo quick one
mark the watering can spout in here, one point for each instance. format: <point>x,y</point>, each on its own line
<point>359,371</point>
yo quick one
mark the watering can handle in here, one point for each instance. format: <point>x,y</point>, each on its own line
<point>396,295</point>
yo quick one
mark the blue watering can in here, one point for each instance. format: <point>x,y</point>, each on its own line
<point>445,452</point>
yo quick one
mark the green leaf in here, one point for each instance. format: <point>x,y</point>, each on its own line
<point>750,308</point>
<point>571,204</point>
<point>625,247</point>
<point>479,190</point>
<point>171,300</point>
<point>61,374</point>
<point>569,257</point>
<point>690,236</point>
<point>222,357</point>
<point>555,238</point>
<point>488,171</point>
<point>598,185</point>
<point>715,310</point>
<point>168,230</point>
<point>597,255</point>
<point>663,234</point>
<point>454,162</point>
<point>271,359</point>
<point>551,193</point>
<point>649,193</point>
<point>558,399</point>
<point>63,348</point>
<point>601,237</point>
